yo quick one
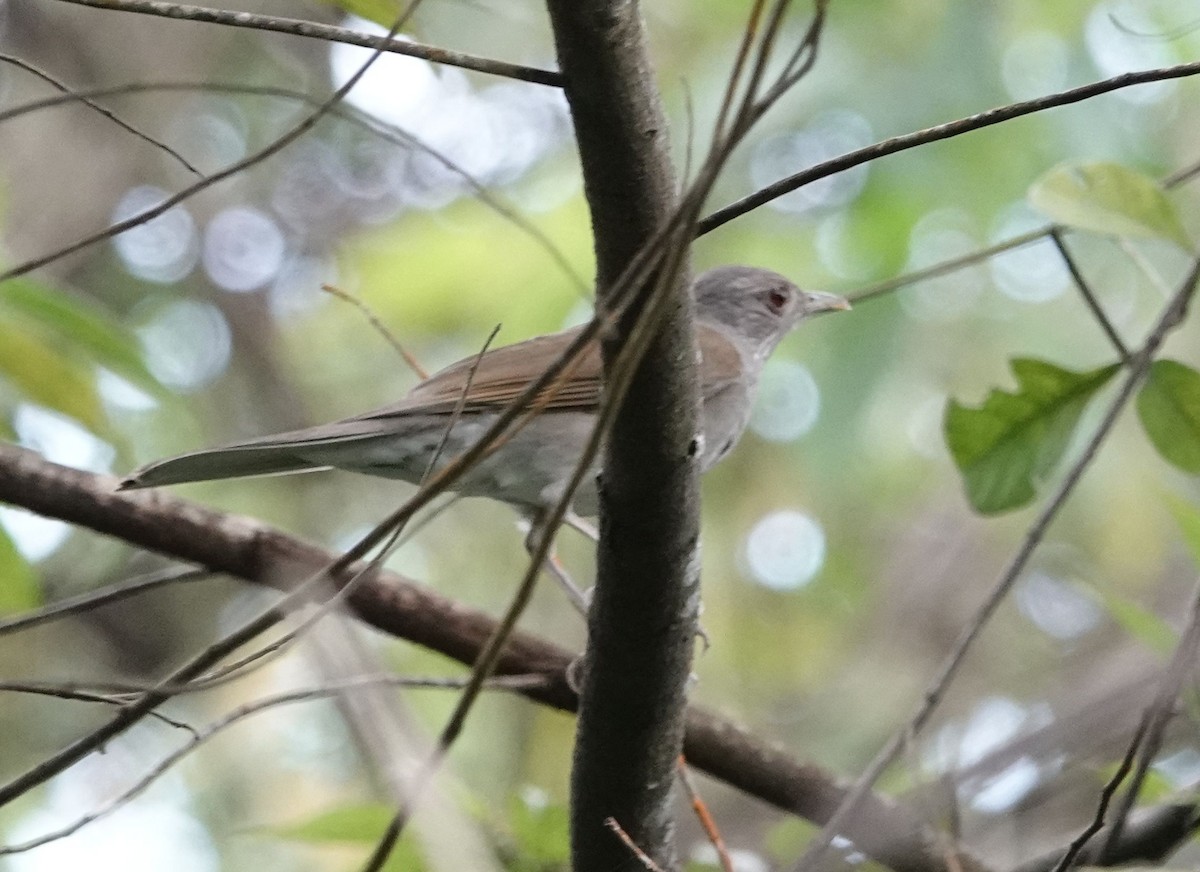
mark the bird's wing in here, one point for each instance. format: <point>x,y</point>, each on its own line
<point>501,375</point>
<point>721,363</point>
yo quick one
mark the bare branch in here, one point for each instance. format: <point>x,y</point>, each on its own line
<point>389,132</point>
<point>1171,317</point>
<point>252,551</point>
<point>1151,837</point>
<point>96,598</point>
<point>1158,714</point>
<point>1071,855</point>
<point>241,713</point>
<point>107,113</point>
<point>940,132</point>
<point>1085,291</point>
<point>328,32</point>
<point>280,142</point>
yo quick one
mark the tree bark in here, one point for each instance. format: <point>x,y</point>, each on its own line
<point>255,552</point>
<point>643,617</point>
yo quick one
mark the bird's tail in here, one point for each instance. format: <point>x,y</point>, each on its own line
<point>231,461</point>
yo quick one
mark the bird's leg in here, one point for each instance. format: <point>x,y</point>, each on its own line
<point>536,522</point>
<point>582,599</point>
<point>579,525</point>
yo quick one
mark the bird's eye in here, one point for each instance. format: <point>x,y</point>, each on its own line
<point>777,300</point>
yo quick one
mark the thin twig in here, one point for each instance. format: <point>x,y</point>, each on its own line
<point>380,328</point>
<point>329,33</point>
<point>79,694</point>
<point>484,666</point>
<point>273,148</point>
<point>242,712</point>
<point>95,598</point>
<point>704,816</point>
<point>107,113</point>
<point>1171,317</point>
<point>935,134</point>
<point>1106,795</point>
<point>389,132</point>
<point>398,607</point>
<point>149,701</point>
<point>1158,715</point>
<point>1085,291</point>
<point>619,378</point>
<point>642,856</point>
<point>459,405</point>
<point>946,267</point>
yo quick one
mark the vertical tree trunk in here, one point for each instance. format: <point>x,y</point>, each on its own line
<point>643,616</point>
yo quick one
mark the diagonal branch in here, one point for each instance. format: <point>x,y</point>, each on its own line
<point>274,147</point>
<point>949,130</point>
<point>1172,316</point>
<point>107,113</point>
<point>252,551</point>
<point>328,32</point>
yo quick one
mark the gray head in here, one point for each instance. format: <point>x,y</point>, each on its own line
<point>759,305</point>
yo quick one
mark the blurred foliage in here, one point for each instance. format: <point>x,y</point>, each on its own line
<point>1169,406</point>
<point>383,12</point>
<point>51,345</point>
<point>18,582</point>
<point>360,825</point>
<point>1109,198</point>
<point>213,323</point>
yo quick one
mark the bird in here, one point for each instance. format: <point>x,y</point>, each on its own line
<point>741,314</point>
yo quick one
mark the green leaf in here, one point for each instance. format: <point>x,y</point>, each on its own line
<point>1008,445</point>
<point>1138,621</point>
<point>539,831</point>
<point>78,324</point>
<point>1187,517</point>
<point>48,377</point>
<point>360,823</point>
<point>1169,407</point>
<point>1111,199</point>
<point>384,12</point>
<point>19,590</point>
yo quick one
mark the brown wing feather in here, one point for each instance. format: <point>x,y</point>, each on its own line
<point>720,361</point>
<point>503,374</point>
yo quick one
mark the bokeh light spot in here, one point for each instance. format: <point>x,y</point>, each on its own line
<point>784,550</point>
<point>60,439</point>
<point>1057,607</point>
<point>1001,792</point>
<point>35,537</point>
<point>397,88</point>
<point>826,136</point>
<point>789,402</point>
<point>941,236</point>
<point>187,344</point>
<point>147,836</point>
<point>163,249</point>
<point>1120,36</point>
<point>1032,273</point>
<point>243,249</point>
<point>1034,64</point>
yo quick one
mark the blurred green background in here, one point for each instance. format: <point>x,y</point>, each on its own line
<point>841,558</point>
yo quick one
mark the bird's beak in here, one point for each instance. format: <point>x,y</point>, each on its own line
<point>819,302</point>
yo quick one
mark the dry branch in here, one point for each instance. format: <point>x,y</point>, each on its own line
<point>255,552</point>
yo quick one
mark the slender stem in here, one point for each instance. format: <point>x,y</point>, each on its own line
<point>315,30</point>
<point>1090,298</point>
